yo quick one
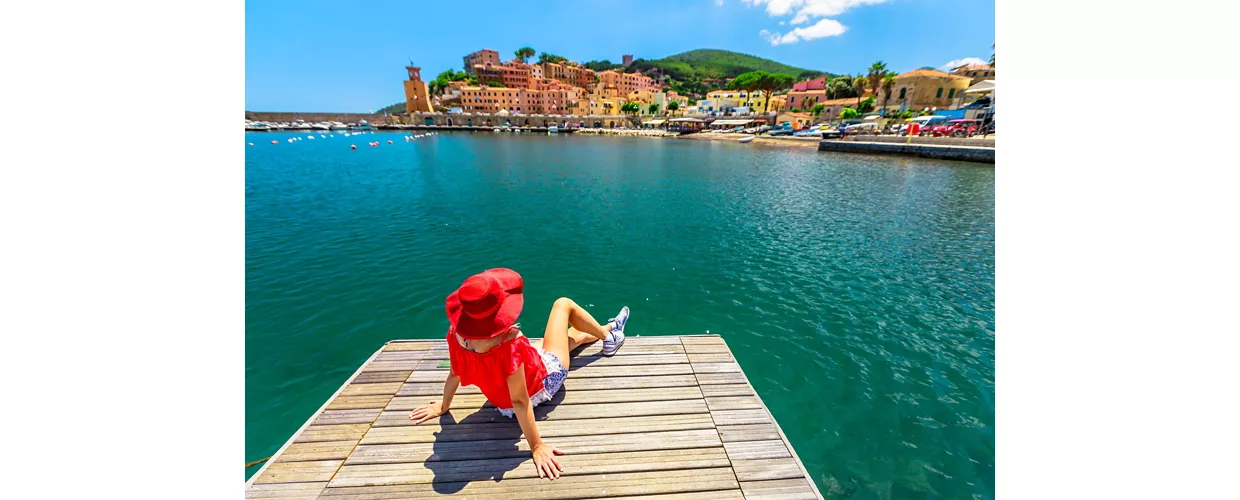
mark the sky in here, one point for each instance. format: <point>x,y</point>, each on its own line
<point>335,56</point>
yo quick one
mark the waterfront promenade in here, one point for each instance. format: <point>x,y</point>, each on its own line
<point>685,422</point>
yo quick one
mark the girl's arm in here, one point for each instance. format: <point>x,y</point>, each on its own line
<point>544,454</point>
<point>436,408</point>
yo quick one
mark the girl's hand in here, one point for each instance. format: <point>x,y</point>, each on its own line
<point>423,413</point>
<point>545,462</point>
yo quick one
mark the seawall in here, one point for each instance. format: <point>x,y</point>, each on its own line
<point>940,152</point>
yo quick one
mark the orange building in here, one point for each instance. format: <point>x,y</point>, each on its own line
<point>628,82</point>
<point>515,75</point>
<point>483,56</point>
<point>417,95</point>
<point>556,101</point>
<point>570,74</point>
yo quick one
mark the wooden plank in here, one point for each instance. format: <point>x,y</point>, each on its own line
<point>631,349</point>
<point>330,417</point>
<point>568,486</point>
<point>523,467</point>
<point>721,378</point>
<point>716,368</point>
<point>407,345</point>
<point>593,370</point>
<point>782,489</point>
<point>318,451</point>
<point>749,432</point>
<point>721,357</point>
<point>701,340</point>
<point>570,384</point>
<point>597,360</point>
<point>751,450</point>
<point>501,448</point>
<point>399,355</point>
<point>298,472</point>
<point>698,495</point>
<point>733,403</point>
<point>757,470</point>
<point>359,402</point>
<point>719,390</point>
<point>430,432</point>
<point>400,365</point>
<point>474,401</point>
<point>317,433</point>
<point>380,377</point>
<point>706,349</point>
<point>285,491</point>
<point>566,412</point>
<point>740,417</point>
<point>387,388</point>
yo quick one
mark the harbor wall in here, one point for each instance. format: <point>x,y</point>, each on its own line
<point>958,153</point>
<point>941,141</point>
<point>282,116</point>
<point>495,120</point>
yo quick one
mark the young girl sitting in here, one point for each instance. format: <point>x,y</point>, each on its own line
<point>487,349</point>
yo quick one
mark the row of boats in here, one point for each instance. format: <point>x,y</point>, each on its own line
<point>260,126</point>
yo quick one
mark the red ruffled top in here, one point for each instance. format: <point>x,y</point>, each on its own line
<point>490,370</point>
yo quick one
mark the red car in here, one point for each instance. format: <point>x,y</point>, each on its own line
<point>957,128</point>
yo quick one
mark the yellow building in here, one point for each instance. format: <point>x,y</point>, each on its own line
<point>926,88</point>
<point>722,100</point>
<point>976,72</point>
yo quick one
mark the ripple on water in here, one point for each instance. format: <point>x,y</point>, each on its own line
<point>856,292</point>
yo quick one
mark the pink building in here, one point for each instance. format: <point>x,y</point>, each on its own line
<point>807,85</point>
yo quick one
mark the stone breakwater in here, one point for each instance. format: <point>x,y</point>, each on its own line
<point>940,152</point>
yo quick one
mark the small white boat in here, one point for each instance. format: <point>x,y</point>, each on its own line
<point>746,139</point>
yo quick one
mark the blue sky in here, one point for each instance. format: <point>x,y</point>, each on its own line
<point>350,56</point>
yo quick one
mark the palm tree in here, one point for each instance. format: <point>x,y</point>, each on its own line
<point>992,55</point>
<point>889,85</point>
<point>875,76</point>
<point>859,84</point>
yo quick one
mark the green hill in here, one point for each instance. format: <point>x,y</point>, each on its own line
<point>693,71</point>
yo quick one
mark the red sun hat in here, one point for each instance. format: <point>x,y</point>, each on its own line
<point>486,304</point>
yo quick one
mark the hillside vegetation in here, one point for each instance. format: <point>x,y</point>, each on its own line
<point>692,71</point>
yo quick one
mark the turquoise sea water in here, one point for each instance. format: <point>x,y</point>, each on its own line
<point>856,292</point>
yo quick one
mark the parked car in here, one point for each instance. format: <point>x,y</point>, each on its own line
<point>867,128</point>
<point>926,123</point>
<point>956,128</point>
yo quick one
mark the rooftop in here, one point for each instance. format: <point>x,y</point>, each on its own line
<point>685,421</point>
<point>930,73</point>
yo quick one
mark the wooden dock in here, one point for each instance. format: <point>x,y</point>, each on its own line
<point>667,415</point>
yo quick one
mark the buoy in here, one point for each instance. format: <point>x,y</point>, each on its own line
<point>311,137</point>
<point>251,144</point>
<point>353,146</point>
<point>290,140</point>
<point>389,142</point>
<point>275,142</point>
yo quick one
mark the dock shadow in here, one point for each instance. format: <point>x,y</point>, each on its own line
<point>481,446</point>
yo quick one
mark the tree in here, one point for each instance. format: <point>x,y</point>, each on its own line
<point>866,106</point>
<point>992,55</point>
<point>817,109</point>
<point>551,58</point>
<point>889,85</point>
<point>673,106</point>
<point>859,84</point>
<point>653,108</point>
<point>495,84</point>
<point>848,113</point>
<point>630,107</point>
<point>875,76</point>
<point>524,53</point>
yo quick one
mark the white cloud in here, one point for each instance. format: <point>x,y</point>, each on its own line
<point>718,3</point>
<point>807,10</point>
<point>961,62</point>
<point>823,28</point>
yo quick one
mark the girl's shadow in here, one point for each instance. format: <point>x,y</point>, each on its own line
<point>481,446</point>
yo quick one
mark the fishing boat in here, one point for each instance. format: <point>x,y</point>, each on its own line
<point>746,139</point>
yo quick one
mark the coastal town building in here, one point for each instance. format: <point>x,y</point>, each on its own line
<point>553,99</point>
<point>976,72</point>
<point>481,57</point>
<point>417,94</point>
<point>627,60</point>
<point>926,88</point>
<point>628,82</point>
<point>569,73</point>
<point>805,98</point>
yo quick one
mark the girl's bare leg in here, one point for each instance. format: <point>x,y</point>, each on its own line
<point>567,315</point>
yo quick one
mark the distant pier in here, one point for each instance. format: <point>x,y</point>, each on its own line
<point>681,419</point>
